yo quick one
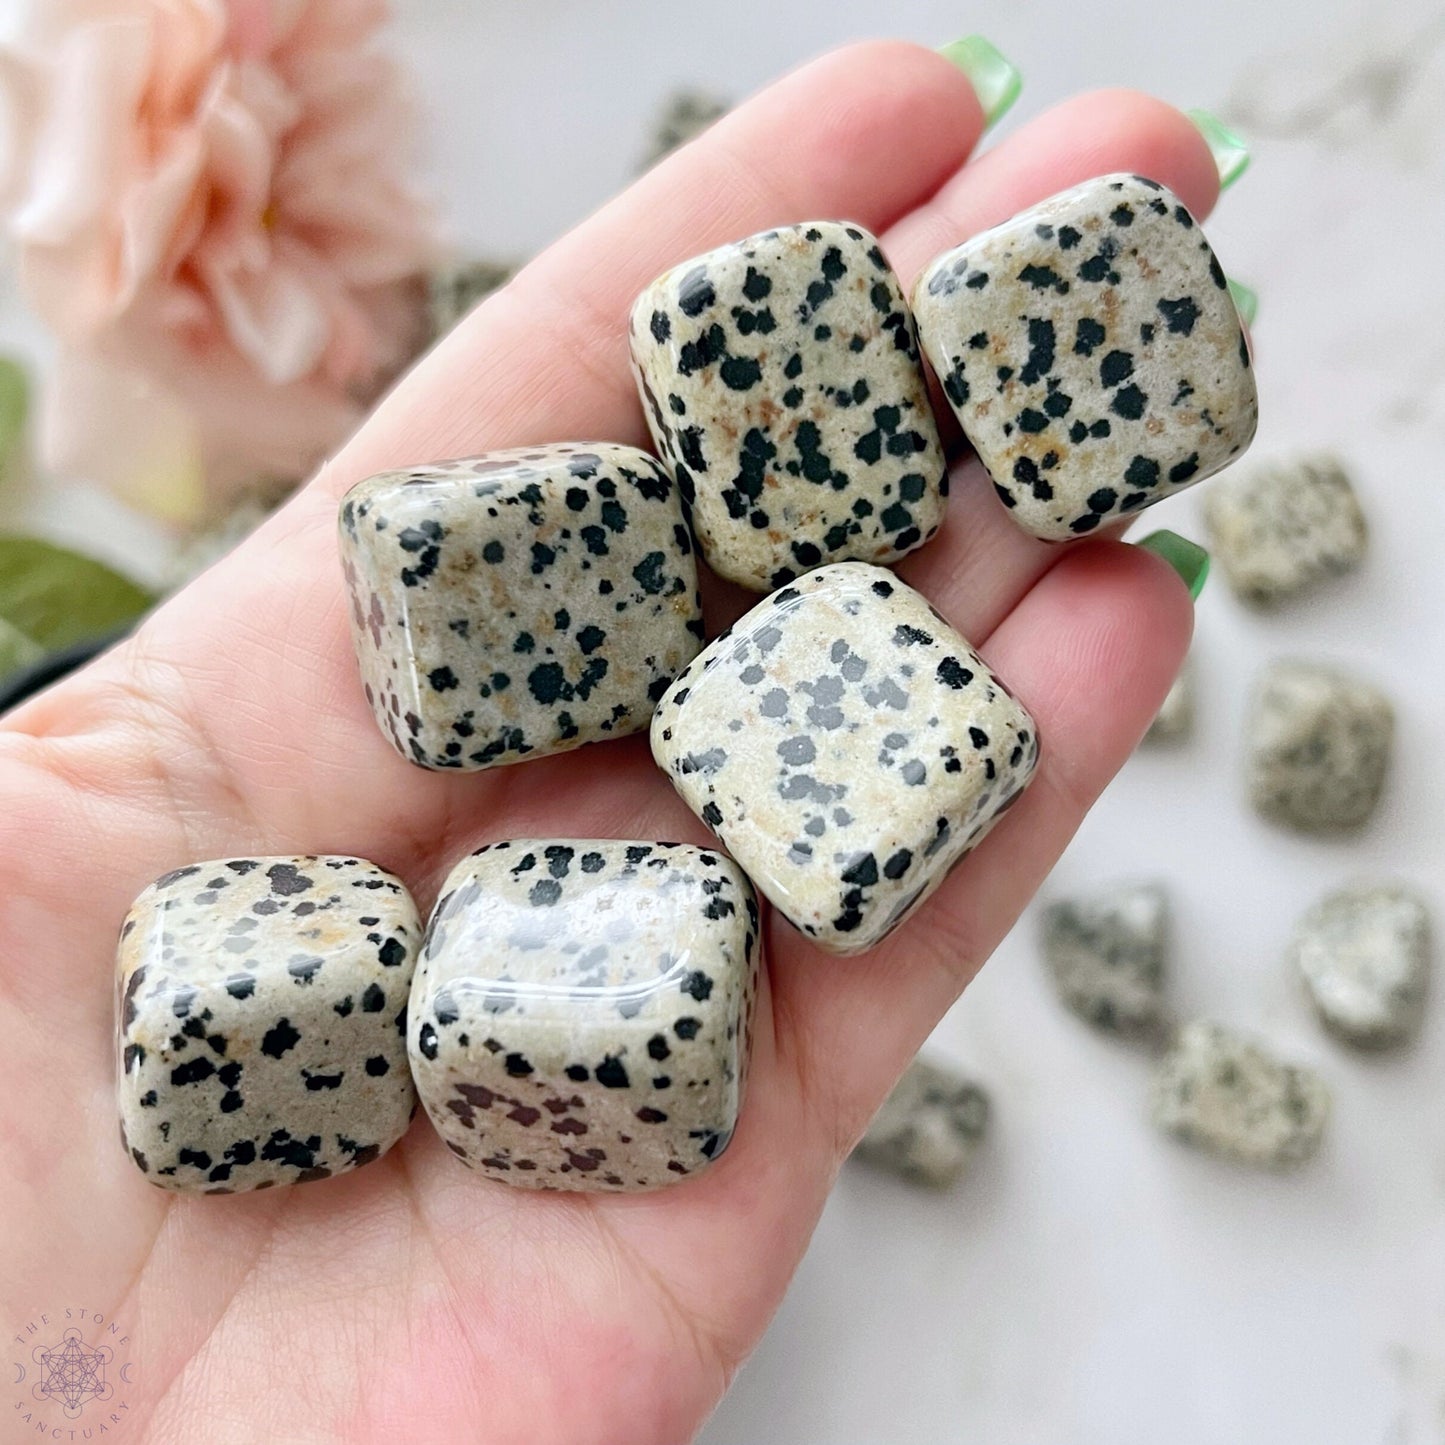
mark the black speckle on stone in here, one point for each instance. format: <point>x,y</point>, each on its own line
<point>1179,314</point>
<point>287,879</point>
<point>278,1039</point>
<point>611,1074</point>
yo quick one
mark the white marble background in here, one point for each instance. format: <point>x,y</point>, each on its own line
<point>1091,1284</point>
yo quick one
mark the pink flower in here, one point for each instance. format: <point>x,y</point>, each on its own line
<point>209,206</point>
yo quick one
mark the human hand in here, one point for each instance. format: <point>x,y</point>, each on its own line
<point>412,1296</point>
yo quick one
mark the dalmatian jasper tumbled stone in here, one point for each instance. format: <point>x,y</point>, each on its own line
<point>1174,721</point>
<point>1092,353</point>
<point>581,1015</point>
<point>261,1021</point>
<point>518,604</point>
<point>929,1127</point>
<point>1222,1092</point>
<point>1278,529</point>
<point>1106,952</point>
<point>783,386</point>
<point>847,746</point>
<point>1319,744</point>
<point>1363,954</point>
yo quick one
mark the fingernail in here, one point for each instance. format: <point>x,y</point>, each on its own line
<point>1187,558</point>
<point>1230,150</point>
<point>996,80</point>
<point>1245,301</point>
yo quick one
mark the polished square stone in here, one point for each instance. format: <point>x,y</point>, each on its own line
<point>1106,952</point>
<point>581,1014</point>
<point>261,1010</point>
<point>1363,955</point>
<point>518,604</point>
<point>1092,354</point>
<point>1318,744</point>
<point>1278,530</point>
<point>782,383</point>
<point>848,747</point>
<point>1224,1093</point>
<point>929,1128</point>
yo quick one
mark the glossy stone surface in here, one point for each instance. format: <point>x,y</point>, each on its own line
<point>520,603</point>
<point>1092,354</point>
<point>1106,953</point>
<point>929,1127</point>
<point>261,1011</point>
<point>782,383</point>
<point>1280,528</point>
<point>848,747</point>
<point>1318,747</point>
<point>582,1012</point>
<point>1222,1092</point>
<point>1363,954</point>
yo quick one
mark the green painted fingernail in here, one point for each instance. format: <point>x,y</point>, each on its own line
<point>1245,301</point>
<point>995,79</point>
<point>1229,149</point>
<point>1187,558</point>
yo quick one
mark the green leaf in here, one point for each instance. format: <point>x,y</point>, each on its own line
<point>16,650</point>
<point>14,406</point>
<point>56,597</point>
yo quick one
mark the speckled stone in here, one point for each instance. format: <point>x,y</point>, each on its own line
<point>1092,353</point>
<point>520,603</point>
<point>783,386</point>
<point>684,115</point>
<point>1319,742</point>
<point>1278,529</point>
<point>929,1127</point>
<point>1221,1092</point>
<point>1174,722</point>
<point>261,1013</point>
<point>1364,956</point>
<point>1106,955</point>
<point>452,291</point>
<point>582,1011</point>
<point>848,747</point>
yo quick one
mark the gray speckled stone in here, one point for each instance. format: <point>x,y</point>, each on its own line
<point>1174,722</point>
<point>520,603</point>
<point>453,290</point>
<point>261,1004</point>
<point>684,115</point>
<point>1364,956</point>
<point>1319,742</point>
<point>1106,955</point>
<point>929,1127</point>
<point>848,747</point>
<point>1277,529</point>
<point>1221,1092</point>
<point>782,383</point>
<point>1092,353</point>
<point>582,1012</point>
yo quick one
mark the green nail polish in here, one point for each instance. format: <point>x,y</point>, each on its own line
<point>996,81</point>
<point>1230,151</point>
<point>1245,301</point>
<point>1187,558</point>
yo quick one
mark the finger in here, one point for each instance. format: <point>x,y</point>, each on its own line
<point>1091,135</point>
<point>868,133</point>
<point>1090,651</point>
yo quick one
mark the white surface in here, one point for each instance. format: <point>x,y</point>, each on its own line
<point>1090,1283</point>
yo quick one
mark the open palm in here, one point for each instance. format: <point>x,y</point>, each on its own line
<point>414,1298</point>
